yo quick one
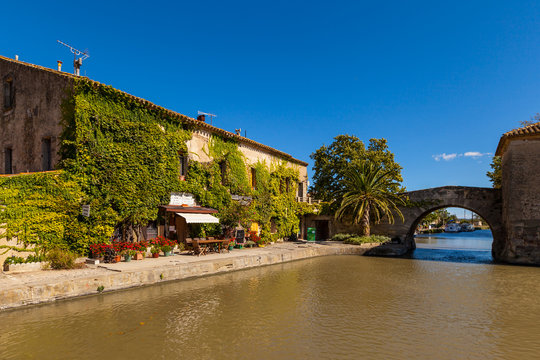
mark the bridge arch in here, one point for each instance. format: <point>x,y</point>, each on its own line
<point>486,202</point>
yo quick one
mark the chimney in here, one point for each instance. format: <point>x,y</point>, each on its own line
<point>17,57</point>
<point>238,131</point>
<point>59,65</point>
<point>77,66</point>
<point>201,118</point>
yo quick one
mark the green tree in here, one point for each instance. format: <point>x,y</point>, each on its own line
<point>364,192</point>
<point>331,163</point>
<point>495,176</point>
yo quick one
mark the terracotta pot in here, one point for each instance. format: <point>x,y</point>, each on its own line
<point>139,256</point>
<point>117,258</point>
<point>155,255</point>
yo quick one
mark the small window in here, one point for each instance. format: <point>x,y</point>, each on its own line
<point>253,178</point>
<point>273,226</point>
<point>8,161</point>
<point>300,189</point>
<point>223,170</point>
<point>46,154</point>
<point>8,94</point>
<point>287,185</point>
<point>183,164</point>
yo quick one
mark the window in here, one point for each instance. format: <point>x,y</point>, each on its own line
<point>183,164</point>
<point>46,155</point>
<point>253,178</point>
<point>8,94</point>
<point>300,189</point>
<point>8,161</point>
<point>223,170</point>
<point>287,185</point>
<point>273,226</point>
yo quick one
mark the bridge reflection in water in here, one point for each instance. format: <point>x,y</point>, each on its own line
<point>465,247</point>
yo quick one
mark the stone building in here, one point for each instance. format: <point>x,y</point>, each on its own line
<point>520,152</point>
<point>31,116</point>
<point>31,125</point>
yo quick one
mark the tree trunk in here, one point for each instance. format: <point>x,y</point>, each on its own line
<point>364,223</point>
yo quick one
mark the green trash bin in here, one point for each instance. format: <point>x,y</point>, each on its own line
<point>310,234</point>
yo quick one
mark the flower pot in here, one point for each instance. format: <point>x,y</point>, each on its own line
<point>127,258</point>
<point>262,245</point>
<point>117,258</point>
<point>167,253</point>
<point>231,247</point>
<point>155,255</point>
<point>139,256</point>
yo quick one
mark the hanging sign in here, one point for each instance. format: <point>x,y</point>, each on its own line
<point>182,199</point>
<point>85,210</point>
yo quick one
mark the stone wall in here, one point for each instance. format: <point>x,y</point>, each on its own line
<point>521,199</point>
<point>6,252</point>
<point>34,117</point>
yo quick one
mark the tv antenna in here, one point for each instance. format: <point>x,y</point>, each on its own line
<point>77,63</point>
<point>212,116</point>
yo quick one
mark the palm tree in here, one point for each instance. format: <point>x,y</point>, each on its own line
<point>366,190</point>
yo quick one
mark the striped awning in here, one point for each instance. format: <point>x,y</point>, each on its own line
<point>192,218</point>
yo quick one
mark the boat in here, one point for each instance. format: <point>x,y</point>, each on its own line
<point>467,227</point>
<point>452,228</point>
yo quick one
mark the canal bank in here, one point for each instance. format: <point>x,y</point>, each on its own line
<point>22,289</point>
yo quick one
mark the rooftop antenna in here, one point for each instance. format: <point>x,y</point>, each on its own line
<point>77,63</point>
<point>207,114</point>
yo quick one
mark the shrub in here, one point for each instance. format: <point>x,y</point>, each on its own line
<point>14,260</point>
<point>342,237</point>
<point>61,259</point>
<point>358,240</point>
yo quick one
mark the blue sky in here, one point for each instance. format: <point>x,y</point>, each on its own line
<point>440,80</point>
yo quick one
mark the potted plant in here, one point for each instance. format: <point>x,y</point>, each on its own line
<point>232,244</point>
<point>166,249</point>
<point>155,251</point>
<point>129,254</point>
<point>98,250</point>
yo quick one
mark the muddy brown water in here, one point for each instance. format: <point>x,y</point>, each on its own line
<point>440,304</point>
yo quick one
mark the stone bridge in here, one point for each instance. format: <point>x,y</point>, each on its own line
<point>486,202</point>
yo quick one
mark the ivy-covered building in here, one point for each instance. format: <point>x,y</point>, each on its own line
<point>124,156</point>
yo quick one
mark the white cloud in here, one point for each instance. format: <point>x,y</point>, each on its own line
<point>445,157</point>
<point>452,156</point>
<point>475,154</point>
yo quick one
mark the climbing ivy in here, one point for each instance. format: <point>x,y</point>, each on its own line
<point>42,211</point>
<point>121,156</point>
<point>124,155</point>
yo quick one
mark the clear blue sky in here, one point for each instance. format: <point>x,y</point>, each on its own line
<point>432,77</point>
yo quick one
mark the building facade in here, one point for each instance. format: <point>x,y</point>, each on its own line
<point>31,123</point>
<point>520,153</point>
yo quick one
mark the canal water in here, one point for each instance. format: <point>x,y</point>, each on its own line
<point>431,306</point>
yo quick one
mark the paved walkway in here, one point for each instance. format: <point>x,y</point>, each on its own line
<point>19,289</point>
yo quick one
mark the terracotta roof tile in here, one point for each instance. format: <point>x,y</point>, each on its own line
<point>528,131</point>
<point>191,121</point>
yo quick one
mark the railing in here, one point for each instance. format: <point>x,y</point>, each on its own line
<point>308,199</point>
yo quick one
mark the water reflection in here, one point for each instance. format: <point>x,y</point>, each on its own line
<point>341,307</point>
<point>465,247</point>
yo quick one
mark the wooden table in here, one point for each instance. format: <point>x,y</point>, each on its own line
<point>218,242</point>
